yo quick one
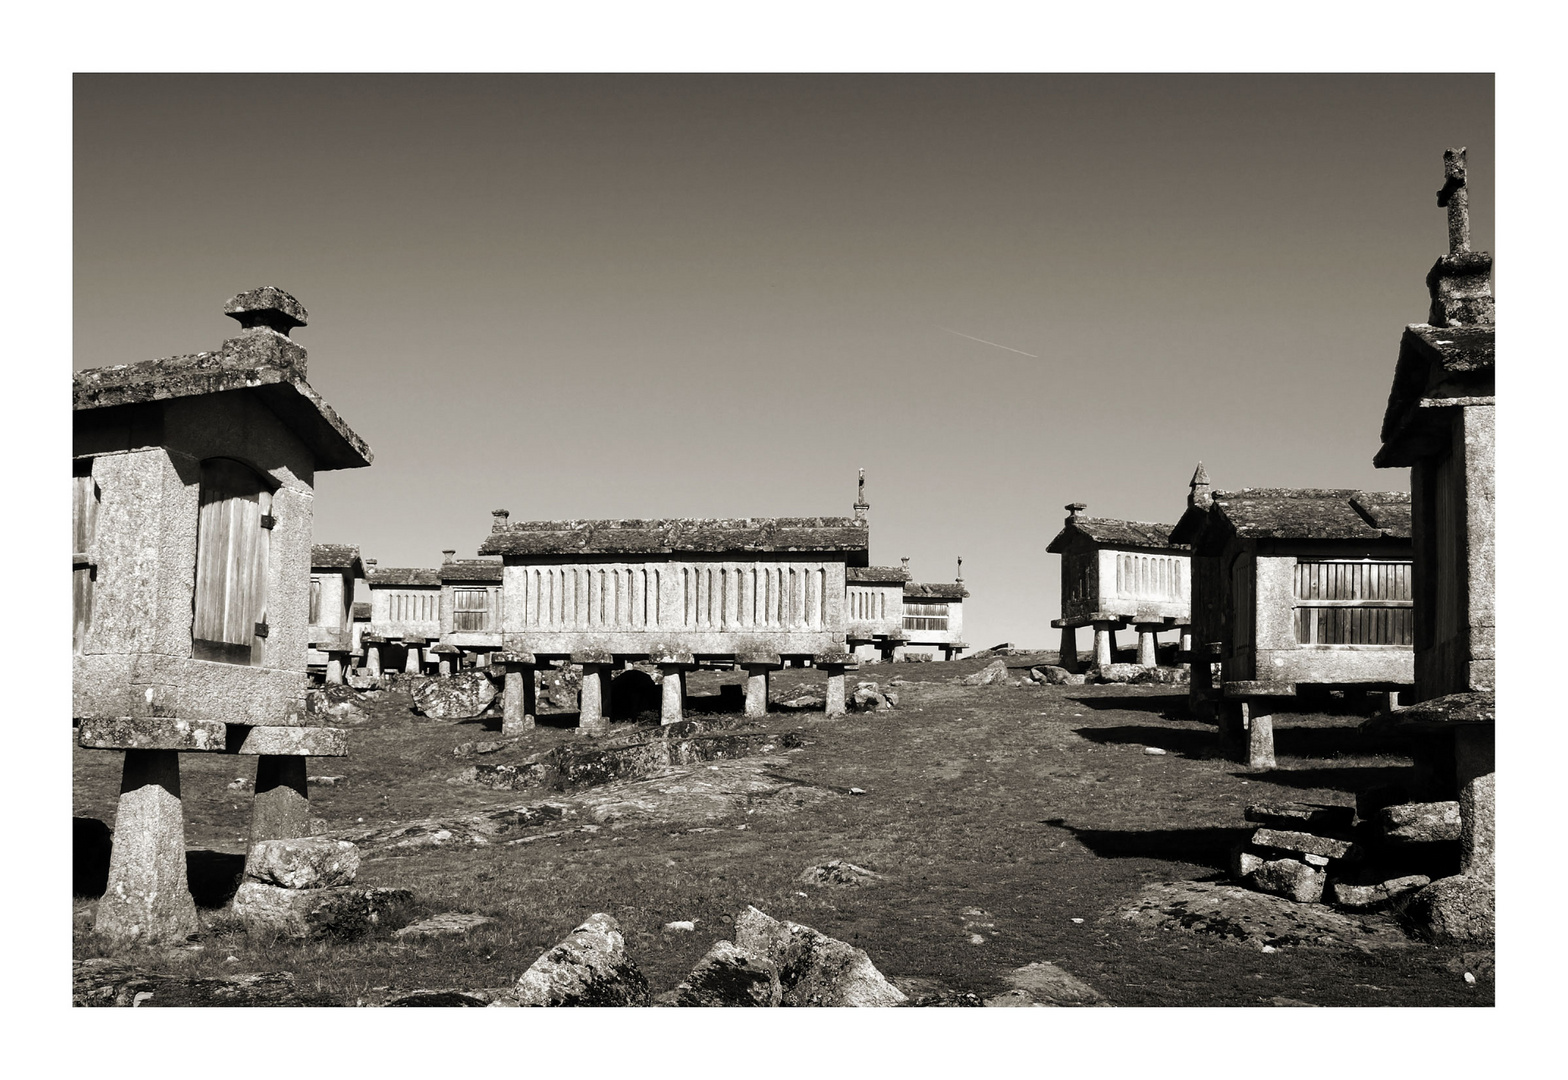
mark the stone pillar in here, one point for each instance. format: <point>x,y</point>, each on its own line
<point>594,708</point>
<point>674,700</point>
<point>1475,770</point>
<point>334,675</point>
<point>444,664</point>
<point>1260,738</point>
<point>1067,651</point>
<point>1104,641</point>
<point>148,898</point>
<point>373,658</point>
<point>757,677</point>
<point>281,808</point>
<point>517,701</point>
<point>836,704</point>
<point>1186,642</point>
<point>1146,653</point>
<point>411,665</point>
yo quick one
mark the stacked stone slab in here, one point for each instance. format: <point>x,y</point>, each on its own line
<point>1284,859</point>
<point>303,887</point>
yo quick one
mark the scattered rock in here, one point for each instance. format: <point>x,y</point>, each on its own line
<point>239,783</point>
<point>588,968</point>
<point>441,999</point>
<point>447,924</point>
<point>1420,823</point>
<point>731,977</point>
<point>1459,910</point>
<point>802,701</point>
<point>857,791</point>
<point>489,747</point>
<point>1289,878</point>
<point>1380,894</point>
<point>327,781</point>
<point>311,862</point>
<point>815,970</point>
<point>455,697</point>
<point>838,874</point>
<point>1049,984</point>
<point>342,912</point>
<point>868,697</point>
<point>992,672</point>
<point>1050,673</point>
<point>364,682</point>
<point>1154,751</point>
<point>681,924</point>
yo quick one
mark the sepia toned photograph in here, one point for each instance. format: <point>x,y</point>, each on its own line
<point>783,540</point>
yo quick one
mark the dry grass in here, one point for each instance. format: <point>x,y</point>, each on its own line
<point>997,811</point>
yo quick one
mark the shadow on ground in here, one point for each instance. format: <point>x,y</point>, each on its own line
<point>214,876</point>
<point>1201,847</point>
<point>1350,778</point>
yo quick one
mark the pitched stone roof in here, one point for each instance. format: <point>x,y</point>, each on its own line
<point>260,361</point>
<point>921,590</point>
<point>881,574</point>
<point>1113,532</point>
<point>475,570</point>
<point>1315,513</point>
<point>403,575</point>
<point>674,535</point>
<point>336,557</point>
<point>1437,364</point>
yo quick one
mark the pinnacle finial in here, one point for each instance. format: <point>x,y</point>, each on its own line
<point>861,506</point>
<point>267,306</point>
<point>1200,476</point>
<point>1454,196</point>
<point>960,578</point>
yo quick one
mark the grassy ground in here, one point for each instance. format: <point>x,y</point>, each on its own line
<point>998,815</point>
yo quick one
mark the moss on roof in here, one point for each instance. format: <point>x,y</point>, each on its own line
<point>674,535</point>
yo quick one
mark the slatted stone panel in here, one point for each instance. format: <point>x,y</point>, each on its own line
<point>413,605</point>
<point>675,596</point>
<point>1150,577</point>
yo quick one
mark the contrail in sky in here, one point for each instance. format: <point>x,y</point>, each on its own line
<point>983,341</point>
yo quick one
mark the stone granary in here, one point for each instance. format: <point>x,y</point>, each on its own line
<point>874,610</point>
<point>1296,587</point>
<point>934,615</point>
<point>1116,573</point>
<point>193,479</point>
<point>405,617</point>
<point>1440,424</point>
<point>738,592</point>
<point>471,608</point>
<point>334,568</point>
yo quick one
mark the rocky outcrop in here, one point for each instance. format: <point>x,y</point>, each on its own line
<point>814,969</point>
<point>111,983</point>
<point>589,968</point>
<point>310,862</point>
<point>456,697</point>
<point>838,874</point>
<point>730,977</point>
<point>341,913</point>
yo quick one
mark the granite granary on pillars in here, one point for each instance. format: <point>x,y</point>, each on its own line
<point>334,568</point>
<point>405,617</point>
<point>1116,573</point>
<point>678,593</point>
<point>193,479</point>
<point>471,608</point>
<point>1439,424</point>
<point>934,615</point>
<point>1312,587</point>
<point>874,610</point>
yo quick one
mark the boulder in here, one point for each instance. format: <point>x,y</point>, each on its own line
<point>308,862</point>
<point>447,924</point>
<point>588,968</point>
<point>867,697</point>
<point>838,874</point>
<point>995,671</point>
<point>1047,984</point>
<point>441,999</point>
<point>1376,895</point>
<point>342,912</point>
<point>1458,910</point>
<point>1054,675</point>
<point>457,697</point>
<point>1116,673</point>
<point>730,977</point>
<point>802,701</point>
<point>814,969</point>
<point>1419,823</point>
<point>1291,879</point>
<point>364,682</point>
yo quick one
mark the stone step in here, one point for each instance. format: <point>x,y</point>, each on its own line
<point>1302,843</point>
<point>1302,816</point>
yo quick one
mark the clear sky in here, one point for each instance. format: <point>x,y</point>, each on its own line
<point>656,296</point>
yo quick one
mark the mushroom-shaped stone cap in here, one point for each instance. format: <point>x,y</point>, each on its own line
<point>267,306</point>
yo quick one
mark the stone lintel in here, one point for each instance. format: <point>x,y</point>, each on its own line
<point>153,733</point>
<point>295,742</point>
<point>1258,688</point>
<point>592,656</point>
<point>509,657</point>
<point>672,656</point>
<point>1306,843</point>
<point>759,659</point>
<point>835,659</point>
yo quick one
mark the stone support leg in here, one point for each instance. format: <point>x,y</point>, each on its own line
<point>334,676</point>
<point>411,664</point>
<point>836,703</point>
<point>673,702</point>
<point>517,701</point>
<point>1186,640</point>
<point>373,659</point>
<point>1067,651</point>
<point>444,665</point>
<point>1260,739</point>
<point>281,808</point>
<point>1104,642</point>
<point>1146,653</point>
<point>757,690</point>
<point>594,710</point>
<point>1475,770</point>
<point>148,898</point>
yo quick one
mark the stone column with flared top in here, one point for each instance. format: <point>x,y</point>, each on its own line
<point>1067,651</point>
<point>759,668</point>
<point>280,809</point>
<point>372,656</point>
<point>1147,654</point>
<point>411,660</point>
<point>334,675</point>
<point>835,664</point>
<point>673,663</point>
<point>517,691</point>
<point>593,713</point>
<point>1104,642</point>
<point>148,899</point>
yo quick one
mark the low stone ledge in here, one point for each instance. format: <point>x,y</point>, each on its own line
<point>1304,843</point>
<point>153,733</point>
<point>295,742</point>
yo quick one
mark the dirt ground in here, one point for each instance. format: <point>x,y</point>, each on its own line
<point>1010,825</point>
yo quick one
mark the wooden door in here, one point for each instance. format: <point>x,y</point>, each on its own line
<point>233,537</point>
<point>84,525</point>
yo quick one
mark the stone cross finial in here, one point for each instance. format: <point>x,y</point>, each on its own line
<point>960,578</point>
<point>1454,196</point>
<point>861,506</point>
<point>1074,509</point>
<point>447,554</point>
<point>905,561</point>
<point>499,522</point>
